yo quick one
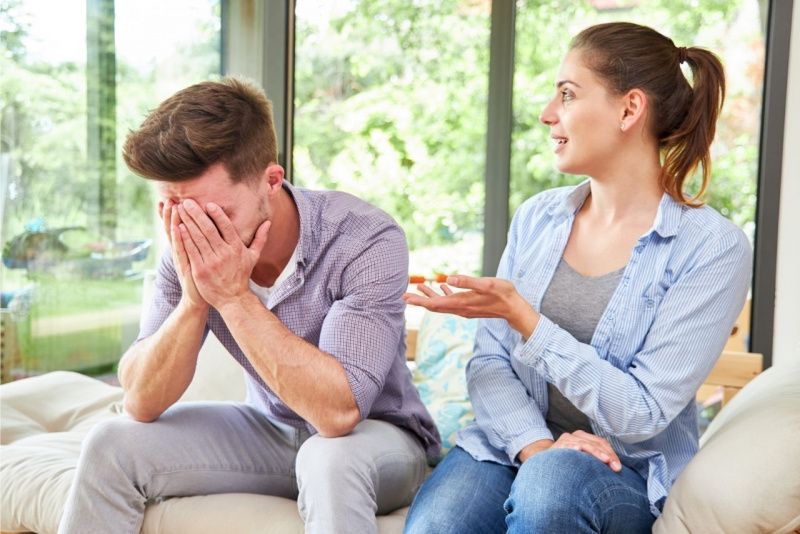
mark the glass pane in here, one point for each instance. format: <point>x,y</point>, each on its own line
<point>390,105</point>
<point>734,30</point>
<point>78,229</point>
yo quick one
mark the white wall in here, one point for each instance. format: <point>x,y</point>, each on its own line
<point>786,340</point>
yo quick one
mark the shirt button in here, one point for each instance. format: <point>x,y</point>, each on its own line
<point>650,303</point>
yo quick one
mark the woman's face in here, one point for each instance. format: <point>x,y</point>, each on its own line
<point>584,119</point>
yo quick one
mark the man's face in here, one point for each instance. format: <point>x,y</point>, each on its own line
<point>246,205</point>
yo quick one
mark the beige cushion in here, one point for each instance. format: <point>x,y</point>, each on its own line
<point>746,476</point>
<point>240,513</point>
<point>44,420</point>
<point>217,377</point>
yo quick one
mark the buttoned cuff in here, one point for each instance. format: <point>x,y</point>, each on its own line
<point>523,440</point>
<point>532,350</point>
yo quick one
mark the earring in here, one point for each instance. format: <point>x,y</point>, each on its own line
<point>622,126</point>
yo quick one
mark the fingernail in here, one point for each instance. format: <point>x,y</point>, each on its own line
<point>188,203</point>
<point>452,280</point>
<point>211,206</point>
<point>615,466</point>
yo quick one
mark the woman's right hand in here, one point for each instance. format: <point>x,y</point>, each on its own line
<point>598,447</point>
<point>486,298</point>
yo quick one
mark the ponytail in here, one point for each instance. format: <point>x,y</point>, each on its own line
<point>682,117</point>
<point>688,145</point>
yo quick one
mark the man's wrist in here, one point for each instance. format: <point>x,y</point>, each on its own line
<point>193,309</point>
<point>238,304</point>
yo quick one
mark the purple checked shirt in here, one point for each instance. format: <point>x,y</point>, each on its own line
<point>343,297</point>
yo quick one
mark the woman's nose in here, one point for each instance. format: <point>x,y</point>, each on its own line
<point>547,116</point>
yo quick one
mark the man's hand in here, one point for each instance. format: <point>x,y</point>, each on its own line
<point>221,264</point>
<point>488,297</point>
<point>591,444</point>
<point>171,221</point>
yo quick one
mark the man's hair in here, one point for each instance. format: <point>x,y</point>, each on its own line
<point>228,122</point>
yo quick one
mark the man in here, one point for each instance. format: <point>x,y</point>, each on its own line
<point>304,290</point>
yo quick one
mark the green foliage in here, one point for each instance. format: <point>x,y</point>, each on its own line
<point>390,105</point>
<point>43,114</point>
<point>391,99</point>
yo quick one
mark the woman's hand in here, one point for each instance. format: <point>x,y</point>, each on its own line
<point>590,444</point>
<point>494,298</point>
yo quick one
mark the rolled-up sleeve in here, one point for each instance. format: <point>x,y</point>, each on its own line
<point>364,328</point>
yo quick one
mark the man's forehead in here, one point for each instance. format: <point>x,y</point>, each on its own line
<point>177,194</point>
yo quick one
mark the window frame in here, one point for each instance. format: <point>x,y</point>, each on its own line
<point>270,25</point>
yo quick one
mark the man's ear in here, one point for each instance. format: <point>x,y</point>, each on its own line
<point>634,108</point>
<point>273,176</point>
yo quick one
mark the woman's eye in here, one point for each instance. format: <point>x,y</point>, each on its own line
<point>566,96</point>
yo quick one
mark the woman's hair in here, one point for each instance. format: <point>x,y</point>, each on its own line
<point>228,122</point>
<point>683,117</point>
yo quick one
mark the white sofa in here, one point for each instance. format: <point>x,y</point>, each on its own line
<point>45,418</point>
<point>745,479</point>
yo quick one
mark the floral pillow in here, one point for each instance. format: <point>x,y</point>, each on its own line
<point>444,345</point>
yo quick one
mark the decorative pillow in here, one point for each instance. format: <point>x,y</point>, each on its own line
<point>746,475</point>
<point>444,345</point>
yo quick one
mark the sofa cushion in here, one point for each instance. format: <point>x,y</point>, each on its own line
<point>240,513</point>
<point>44,420</point>
<point>444,345</point>
<point>745,476</point>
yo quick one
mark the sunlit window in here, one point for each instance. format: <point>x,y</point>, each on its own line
<point>78,229</point>
<point>390,105</point>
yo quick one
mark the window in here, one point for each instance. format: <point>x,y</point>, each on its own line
<point>390,105</point>
<point>734,30</point>
<point>78,228</point>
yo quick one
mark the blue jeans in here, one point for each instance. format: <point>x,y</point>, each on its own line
<point>556,491</point>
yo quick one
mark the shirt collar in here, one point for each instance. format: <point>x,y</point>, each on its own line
<point>304,239</point>
<point>566,207</point>
<point>668,216</point>
<point>665,224</point>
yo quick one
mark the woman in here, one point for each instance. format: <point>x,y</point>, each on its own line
<point>612,302</point>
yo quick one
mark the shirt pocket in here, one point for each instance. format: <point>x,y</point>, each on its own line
<point>632,326</point>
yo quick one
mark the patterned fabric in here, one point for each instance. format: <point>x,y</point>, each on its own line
<point>343,297</point>
<point>444,345</point>
<point>658,339</point>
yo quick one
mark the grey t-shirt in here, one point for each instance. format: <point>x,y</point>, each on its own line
<point>575,303</point>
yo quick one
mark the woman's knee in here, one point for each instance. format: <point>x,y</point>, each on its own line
<point>549,484</point>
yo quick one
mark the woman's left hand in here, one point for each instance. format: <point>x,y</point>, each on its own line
<point>487,297</point>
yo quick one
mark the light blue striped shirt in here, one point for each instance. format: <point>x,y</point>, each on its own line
<point>661,334</point>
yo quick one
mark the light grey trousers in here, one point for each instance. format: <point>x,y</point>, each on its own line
<point>203,448</point>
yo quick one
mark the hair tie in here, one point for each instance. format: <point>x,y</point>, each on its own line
<point>683,54</point>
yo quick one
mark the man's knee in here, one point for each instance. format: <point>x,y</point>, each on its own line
<point>112,436</point>
<point>116,443</point>
<point>330,461</point>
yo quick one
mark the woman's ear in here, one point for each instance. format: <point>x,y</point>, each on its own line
<point>634,107</point>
